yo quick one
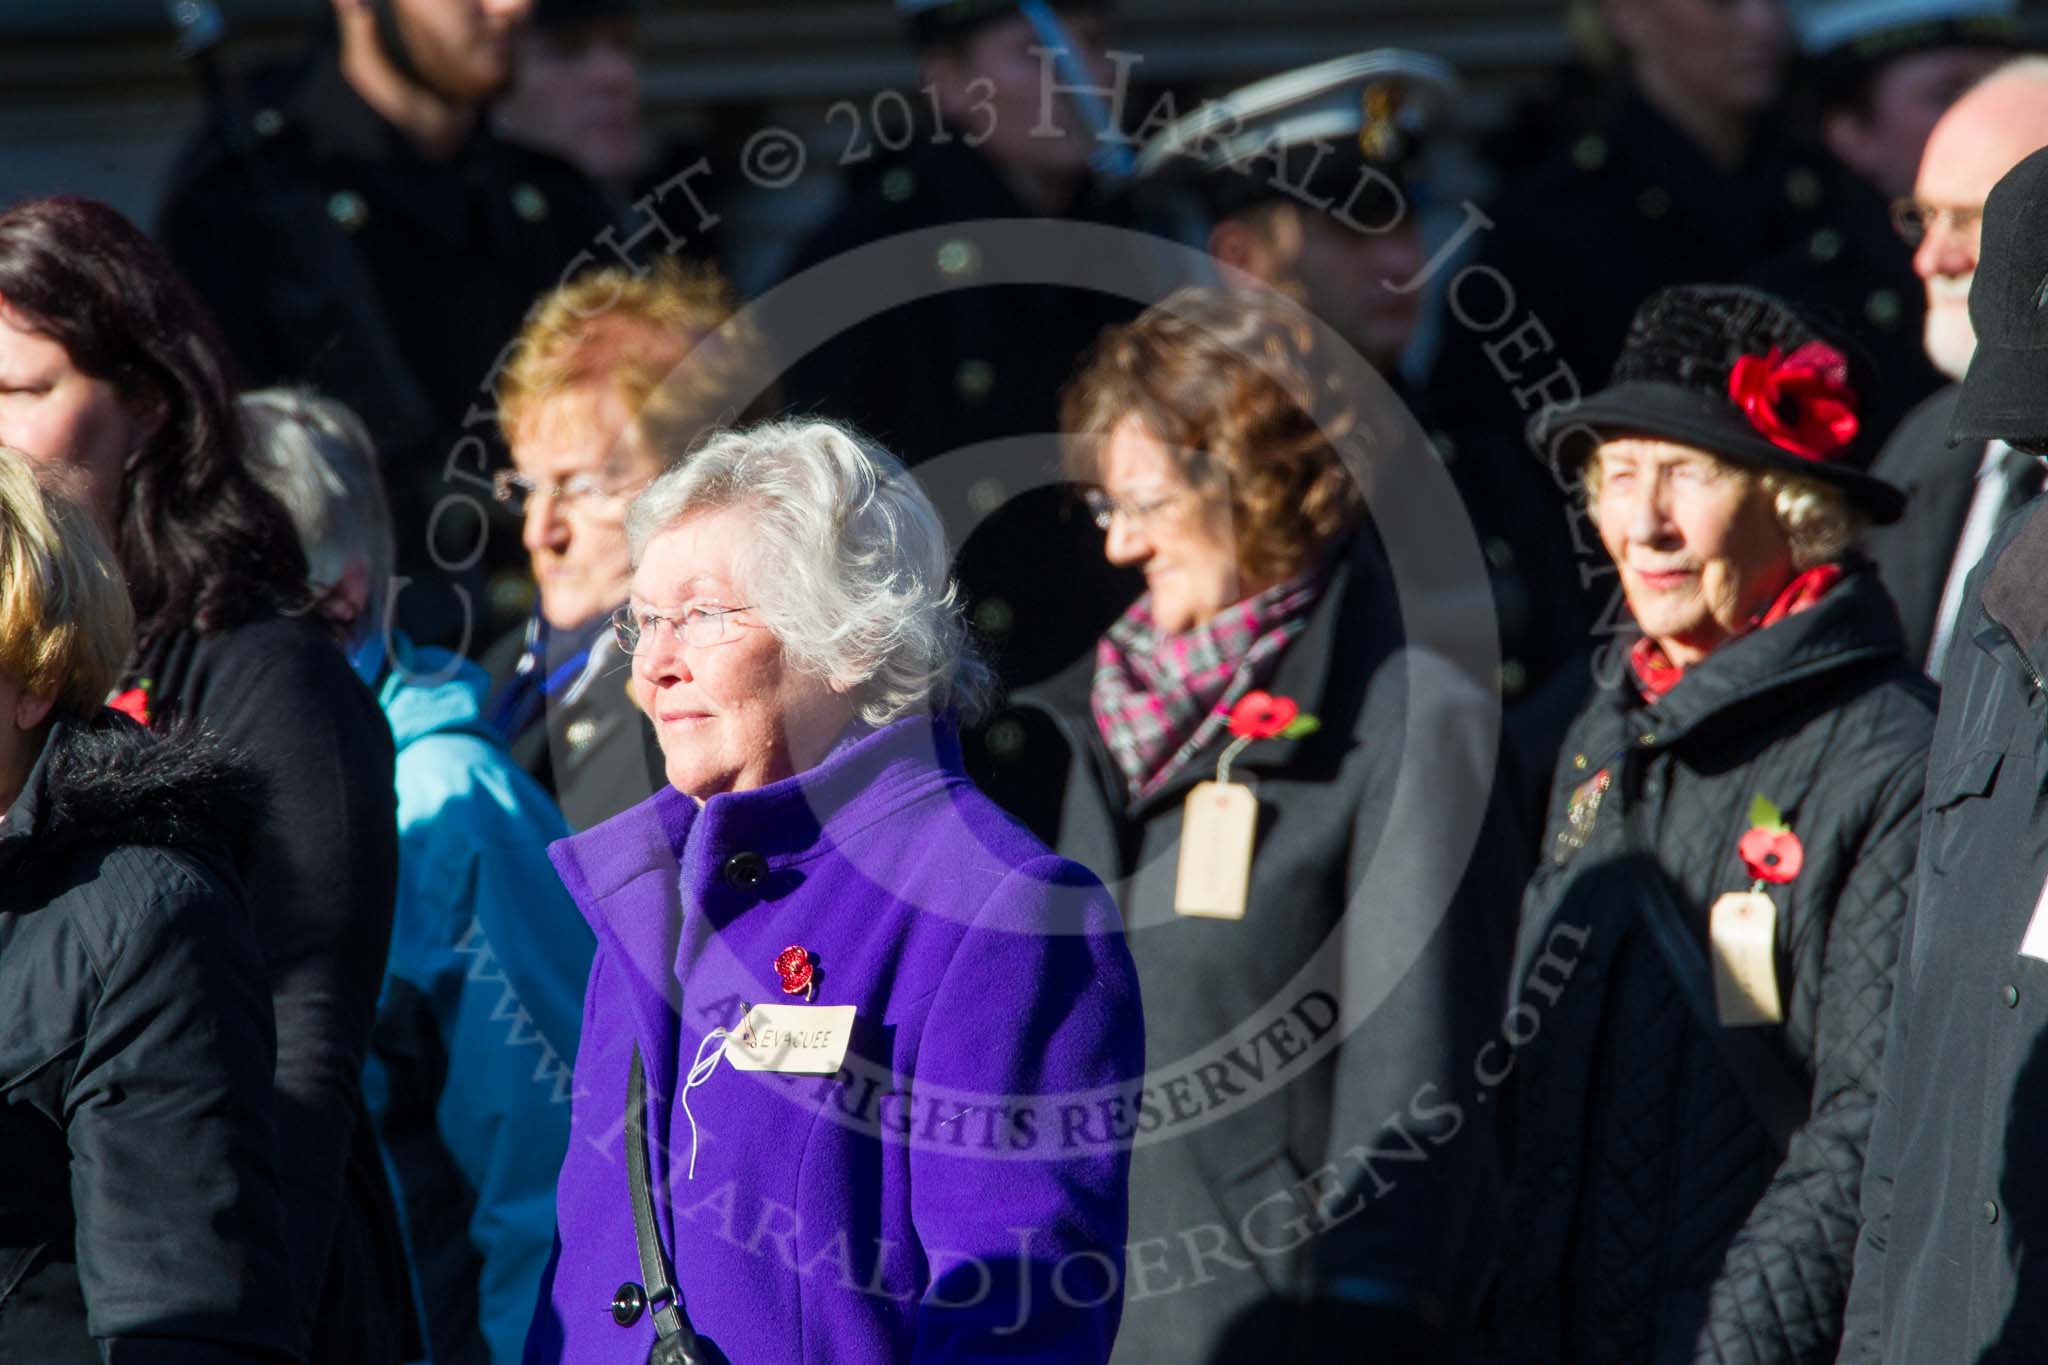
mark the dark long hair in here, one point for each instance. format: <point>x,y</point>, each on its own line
<point>200,540</point>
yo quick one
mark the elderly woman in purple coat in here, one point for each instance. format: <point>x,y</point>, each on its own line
<point>843,1008</point>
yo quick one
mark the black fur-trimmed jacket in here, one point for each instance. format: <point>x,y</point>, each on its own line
<point>1651,1218</point>
<point>139,1213</point>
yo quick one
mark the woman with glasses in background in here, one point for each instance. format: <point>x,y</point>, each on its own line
<point>1210,433</point>
<point>612,378</point>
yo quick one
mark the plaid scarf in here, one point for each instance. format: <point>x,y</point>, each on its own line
<point>1159,699</point>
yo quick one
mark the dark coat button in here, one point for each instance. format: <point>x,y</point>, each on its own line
<point>745,870</point>
<point>628,1304</point>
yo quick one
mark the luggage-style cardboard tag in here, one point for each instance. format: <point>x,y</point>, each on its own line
<point>1744,929</point>
<point>1216,832</point>
<point>798,1040</point>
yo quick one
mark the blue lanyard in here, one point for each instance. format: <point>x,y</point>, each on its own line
<point>565,673</point>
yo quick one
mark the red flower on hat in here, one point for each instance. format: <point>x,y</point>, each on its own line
<point>1261,715</point>
<point>793,965</point>
<point>1800,402</point>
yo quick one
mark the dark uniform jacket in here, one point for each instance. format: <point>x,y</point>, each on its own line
<point>139,1216</point>
<point>334,255</point>
<point>1650,1216</point>
<point>1915,554</point>
<point>1949,1266</point>
<point>321,877</point>
<point>1853,275</point>
<point>1587,235</point>
<point>1253,1188</point>
<point>966,365</point>
<point>583,738</point>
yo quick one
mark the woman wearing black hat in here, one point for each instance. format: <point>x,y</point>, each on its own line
<point>1701,982</point>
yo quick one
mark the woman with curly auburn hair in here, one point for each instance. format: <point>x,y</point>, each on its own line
<point>135,1041</point>
<point>113,380</point>
<point>1209,430</point>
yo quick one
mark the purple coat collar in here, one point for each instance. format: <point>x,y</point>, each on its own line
<point>635,875</point>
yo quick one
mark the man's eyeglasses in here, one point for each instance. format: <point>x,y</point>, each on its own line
<point>1103,509</point>
<point>517,491</point>
<point>639,630</point>
<point>1913,220</point>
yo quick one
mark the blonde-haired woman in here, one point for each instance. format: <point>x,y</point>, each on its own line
<point>135,1024</point>
<point>616,375</point>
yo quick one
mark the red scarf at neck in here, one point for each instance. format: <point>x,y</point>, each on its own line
<point>1656,674</point>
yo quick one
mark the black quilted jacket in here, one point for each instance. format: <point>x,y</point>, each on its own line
<point>1650,1217</point>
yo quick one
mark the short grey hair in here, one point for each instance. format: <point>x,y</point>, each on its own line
<point>1818,520</point>
<point>316,457</point>
<point>847,565</point>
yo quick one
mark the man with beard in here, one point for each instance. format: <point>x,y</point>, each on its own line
<point>357,228</point>
<point>1956,496</point>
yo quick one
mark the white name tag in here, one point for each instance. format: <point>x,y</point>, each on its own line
<point>1215,851</point>
<point>2035,944</point>
<point>1744,928</point>
<point>801,1040</point>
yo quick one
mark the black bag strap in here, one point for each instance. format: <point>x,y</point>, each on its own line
<point>1779,1099</point>
<point>674,1341</point>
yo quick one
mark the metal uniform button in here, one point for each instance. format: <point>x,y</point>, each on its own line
<point>986,496</point>
<point>745,870</point>
<point>1991,1210</point>
<point>1803,188</point>
<point>1589,153</point>
<point>529,203</point>
<point>959,259</point>
<point>1824,245</point>
<point>994,616</point>
<point>1885,308</point>
<point>2009,996</point>
<point>267,122</point>
<point>628,1304</point>
<point>1646,740</point>
<point>974,379</point>
<point>347,208</point>
<point>580,733</point>
<point>1654,202</point>
<point>899,184</point>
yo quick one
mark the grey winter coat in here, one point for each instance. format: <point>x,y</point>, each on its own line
<point>1651,1216</point>
<point>1955,1210</point>
<point>1299,1175</point>
<point>139,1217</point>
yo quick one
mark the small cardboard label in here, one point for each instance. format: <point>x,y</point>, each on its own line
<point>2034,943</point>
<point>1216,851</point>
<point>798,1040</point>
<point>1744,928</point>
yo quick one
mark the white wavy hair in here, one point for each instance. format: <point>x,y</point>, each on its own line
<point>847,564</point>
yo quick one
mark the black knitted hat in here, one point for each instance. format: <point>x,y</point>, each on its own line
<point>1738,373</point>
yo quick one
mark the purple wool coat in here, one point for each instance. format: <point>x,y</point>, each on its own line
<point>933,1201</point>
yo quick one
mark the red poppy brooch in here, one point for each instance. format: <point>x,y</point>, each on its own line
<point>1800,403</point>
<point>1261,715</point>
<point>134,703</point>
<point>793,965</point>
<point>1770,850</point>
